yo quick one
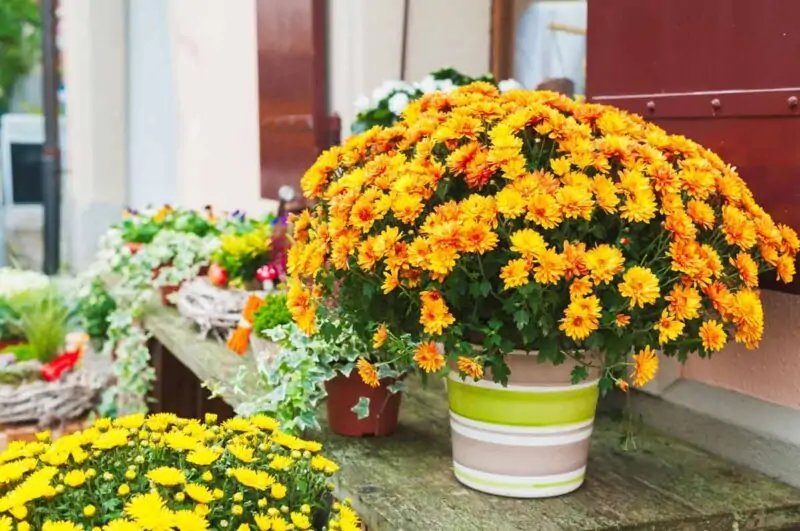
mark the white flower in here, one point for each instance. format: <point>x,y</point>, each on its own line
<point>445,85</point>
<point>398,102</point>
<point>429,84</point>
<point>386,88</point>
<point>361,104</point>
<point>509,84</point>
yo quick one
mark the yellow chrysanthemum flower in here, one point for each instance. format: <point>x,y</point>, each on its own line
<point>243,453</point>
<point>189,521</point>
<point>166,476</point>
<point>199,493</point>
<point>60,525</point>
<point>75,478</point>
<point>150,512</point>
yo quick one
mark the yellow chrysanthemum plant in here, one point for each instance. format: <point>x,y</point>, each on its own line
<point>162,472</point>
<point>487,224</point>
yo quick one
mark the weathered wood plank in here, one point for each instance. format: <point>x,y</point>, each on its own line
<point>404,482</point>
<point>211,361</point>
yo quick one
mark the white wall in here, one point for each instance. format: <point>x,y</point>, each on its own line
<point>95,72</point>
<point>365,42</point>
<point>152,109</point>
<point>215,62</point>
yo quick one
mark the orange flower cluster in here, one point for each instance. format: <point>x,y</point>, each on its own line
<point>526,207</point>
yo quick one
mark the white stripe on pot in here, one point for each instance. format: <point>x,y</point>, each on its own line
<point>521,440</point>
<point>520,430</point>
<point>523,388</point>
<point>520,487</point>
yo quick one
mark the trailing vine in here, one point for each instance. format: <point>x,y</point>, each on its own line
<point>131,279</point>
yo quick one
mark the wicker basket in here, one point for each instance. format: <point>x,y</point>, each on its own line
<point>54,403</point>
<point>214,310</point>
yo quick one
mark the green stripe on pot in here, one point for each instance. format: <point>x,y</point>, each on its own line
<point>511,485</point>
<point>516,408</point>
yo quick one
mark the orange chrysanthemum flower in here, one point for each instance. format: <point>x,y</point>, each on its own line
<point>582,317</point>
<point>621,320</point>
<point>747,267</point>
<point>515,273</point>
<point>668,327</point>
<point>471,367</point>
<point>684,302</point>
<point>645,366</point>
<point>380,336</point>
<point>368,373</point>
<point>528,243</point>
<point>428,357</point>
<point>640,286</point>
<point>713,336</point>
<point>603,262</point>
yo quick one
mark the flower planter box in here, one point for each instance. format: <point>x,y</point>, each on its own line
<point>344,393</point>
<point>527,440</point>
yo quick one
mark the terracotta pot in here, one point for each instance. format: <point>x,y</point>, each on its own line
<point>166,291</point>
<point>133,247</point>
<point>344,393</point>
<point>10,343</point>
<point>527,440</point>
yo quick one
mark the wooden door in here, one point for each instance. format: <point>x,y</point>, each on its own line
<point>294,126</point>
<point>722,72</point>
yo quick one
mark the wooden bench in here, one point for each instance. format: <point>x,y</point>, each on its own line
<point>404,482</point>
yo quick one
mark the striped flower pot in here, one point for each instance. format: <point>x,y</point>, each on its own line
<point>527,440</point>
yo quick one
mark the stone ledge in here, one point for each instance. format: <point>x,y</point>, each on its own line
<point>748,431</point>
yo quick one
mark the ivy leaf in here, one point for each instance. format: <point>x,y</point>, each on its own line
<point>579,374</point>
<point>361,409</point>
<point>398,387</point>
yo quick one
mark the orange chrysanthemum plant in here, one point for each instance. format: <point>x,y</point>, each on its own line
<point>529,221</point>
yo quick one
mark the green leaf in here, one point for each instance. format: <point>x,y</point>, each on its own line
<point>579,373</point>
<point>606,384</point>
<point>521,318</point>
<point>485,287</point>
<point>500,370</point>
<point>548,349</point>
<point>361,409</point>
<point>495,324</point>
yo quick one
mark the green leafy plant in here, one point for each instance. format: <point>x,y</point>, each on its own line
<point>272,313</point>
<point>95,305</point>
<point>242,253</point>
<point>42,317</point>
<point>13,282</point>
<point>20,37</point>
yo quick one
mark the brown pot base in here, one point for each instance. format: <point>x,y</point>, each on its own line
<point>4,343</point>
<point>344,393</point>
<point>166,291</point>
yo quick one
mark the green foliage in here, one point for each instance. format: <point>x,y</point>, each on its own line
<point>242,253</point>
<point>272,313</point>
<point>95,305</point>
<point>42,317</point>
<point>20,38</point>
<point>22,352</point>
<point>8,327</point>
